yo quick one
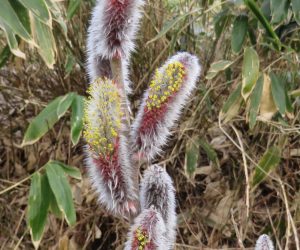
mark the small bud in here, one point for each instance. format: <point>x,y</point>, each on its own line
<point>264,243</point>
<point>157,191</point>
<point>168,92</point>
<point>148,232</point>
<point>108,160</point>
<point>111,34</point>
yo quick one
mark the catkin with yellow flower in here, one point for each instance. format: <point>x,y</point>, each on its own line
<point>108,158</point>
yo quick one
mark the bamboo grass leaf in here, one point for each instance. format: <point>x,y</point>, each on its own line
<point>239,32</point>
<point>250,71</point>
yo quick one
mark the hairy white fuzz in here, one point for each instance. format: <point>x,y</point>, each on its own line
<point>264,243</point>
<point>111,33</point>
<point>148,232</point>
<point>157,190</point>
<point>108,162</point>
<point>162,103</point>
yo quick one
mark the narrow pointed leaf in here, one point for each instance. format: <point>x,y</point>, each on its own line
<point>43,36</point>
<point>61,190</point>
<point>72,8</point>
<point>255,101</point>
<point>250,71</point>
<point>58,15</point>
<point>65,104</point>
<point>12,40</point>
<point>267,163</point>
<point>191,157</point>
<point>279,9</point>
<point>278,93</point>
<point>211,153</point>
<point>10,18</point>
<point>38,205</point>
<point>53,206</point>
<point>232,105</point>
<point>69,170</point>
<point>239,32</point>
<point>221,20</point>
<point>216,67</point>
<point>22,13</point>
<point>77,118</point>
<point>39,9</point>
<point>41,124</point>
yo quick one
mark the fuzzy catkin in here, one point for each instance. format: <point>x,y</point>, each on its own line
<point>157,191</point>
<point>264,243</point>
<point>108,161</point>
<point>148,232</point>
<point>161,106</point>
<point>111,33</point>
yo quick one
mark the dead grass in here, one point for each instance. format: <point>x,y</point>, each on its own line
<point>216,209</point>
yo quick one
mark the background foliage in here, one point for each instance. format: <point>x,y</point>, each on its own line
<point>234,159</point>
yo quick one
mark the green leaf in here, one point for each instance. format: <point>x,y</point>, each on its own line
<point>289,106</point>
<point>72,171</point>
<point>53,204</point>
<point>39,9</point>
<point>232,98</point>
<point>278,93</point>
<point>4,56</point>
<point>279,9</point>
<point>267,163</point>
<point>211,153</point>
<point>231,107</point>
<point>216,67</point>
<point>221,20</point>
<point>72,8</point>
<point>296,10</point>
<point>239,32</point>
<point>77,118</point>
<point>191,157</point>
<point>250,71</point>
<point>38,205</point>
<point>255,101</point>
<point>65,104</point>
<point>22,13</point>
<point>62,191</point>
<point>43,36</point>
<point>10,18</point>
<point>12,40</point>
<point>41,124</point>
<point>58,15</point>
<point>70,62</point>
<point>262,19</point>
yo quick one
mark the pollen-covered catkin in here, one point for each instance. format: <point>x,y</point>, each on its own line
<point>148,232</point>
<point>157,191</point>
<point>169,89</point>
<point>108,159</point>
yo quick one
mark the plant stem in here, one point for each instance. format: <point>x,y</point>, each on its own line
<point>117,73</point>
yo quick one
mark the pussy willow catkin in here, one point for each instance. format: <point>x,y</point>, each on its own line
<point>108,159</point>
<point>168,93</point>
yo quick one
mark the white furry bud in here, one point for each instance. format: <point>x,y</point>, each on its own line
<point>264,243</point>
<point>111,34</point>
<point>157,191</point>
<point>168,92</point>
